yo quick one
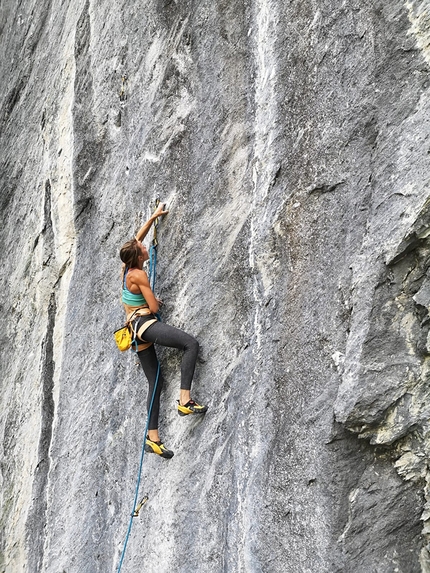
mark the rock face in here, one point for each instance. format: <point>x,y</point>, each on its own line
<point>291,143</point>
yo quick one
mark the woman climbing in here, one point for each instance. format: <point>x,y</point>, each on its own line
<point>141,305</point>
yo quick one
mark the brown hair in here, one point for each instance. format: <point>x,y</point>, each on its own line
<point>130,253</point>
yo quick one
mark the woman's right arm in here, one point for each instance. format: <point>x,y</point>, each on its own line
<point>140,278</point>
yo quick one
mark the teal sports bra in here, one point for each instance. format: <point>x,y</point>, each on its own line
<point>130,298</point>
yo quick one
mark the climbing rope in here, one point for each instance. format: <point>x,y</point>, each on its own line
<point>136,506</point>
<point>135,510</point>
<point>153,254</point>
<point>152,265</point>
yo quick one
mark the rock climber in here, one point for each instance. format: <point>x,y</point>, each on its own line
<point>141,305</point>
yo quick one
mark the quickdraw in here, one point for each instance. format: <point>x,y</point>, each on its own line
<point>153,251</point>
<point>140,505</point>
<point>154,238</point>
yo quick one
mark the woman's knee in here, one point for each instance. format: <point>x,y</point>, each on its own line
<point>193,344</point>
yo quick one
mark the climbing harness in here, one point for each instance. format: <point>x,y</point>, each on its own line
<point>139,329</point>
<point>127,336</point>
<point>138,506</point>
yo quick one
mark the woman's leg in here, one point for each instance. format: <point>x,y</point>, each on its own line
<point>172,337</point>
<point>149,362</point>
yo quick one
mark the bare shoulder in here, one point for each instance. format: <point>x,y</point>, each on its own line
<point>138,276</point>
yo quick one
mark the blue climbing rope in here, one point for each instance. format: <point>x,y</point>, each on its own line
<point>136,495</point>
<point>152,270</point>
<point>152,265</point>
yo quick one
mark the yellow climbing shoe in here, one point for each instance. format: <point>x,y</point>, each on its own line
<point>157,448</point>
<point>191,407</point>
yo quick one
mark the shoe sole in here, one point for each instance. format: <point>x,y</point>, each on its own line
<point>165,455</point>
<point>191,412</point>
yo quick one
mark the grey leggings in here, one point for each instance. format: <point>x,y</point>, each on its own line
<point>166,335</point>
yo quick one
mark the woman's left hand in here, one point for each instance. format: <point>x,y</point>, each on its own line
<point>160,210</point>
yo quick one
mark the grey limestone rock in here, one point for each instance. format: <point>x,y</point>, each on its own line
<point>291,143</point>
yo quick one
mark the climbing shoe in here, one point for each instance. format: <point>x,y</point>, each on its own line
<point>157,448</point>
<point>191,407</point>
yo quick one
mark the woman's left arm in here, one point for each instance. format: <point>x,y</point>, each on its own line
<point>144,230</point>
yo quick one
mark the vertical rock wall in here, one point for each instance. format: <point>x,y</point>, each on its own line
<point>291,142</point>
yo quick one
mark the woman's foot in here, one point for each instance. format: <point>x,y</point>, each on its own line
<point>157,448</point>
<point>191,407</point>
<point>184,396</point>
